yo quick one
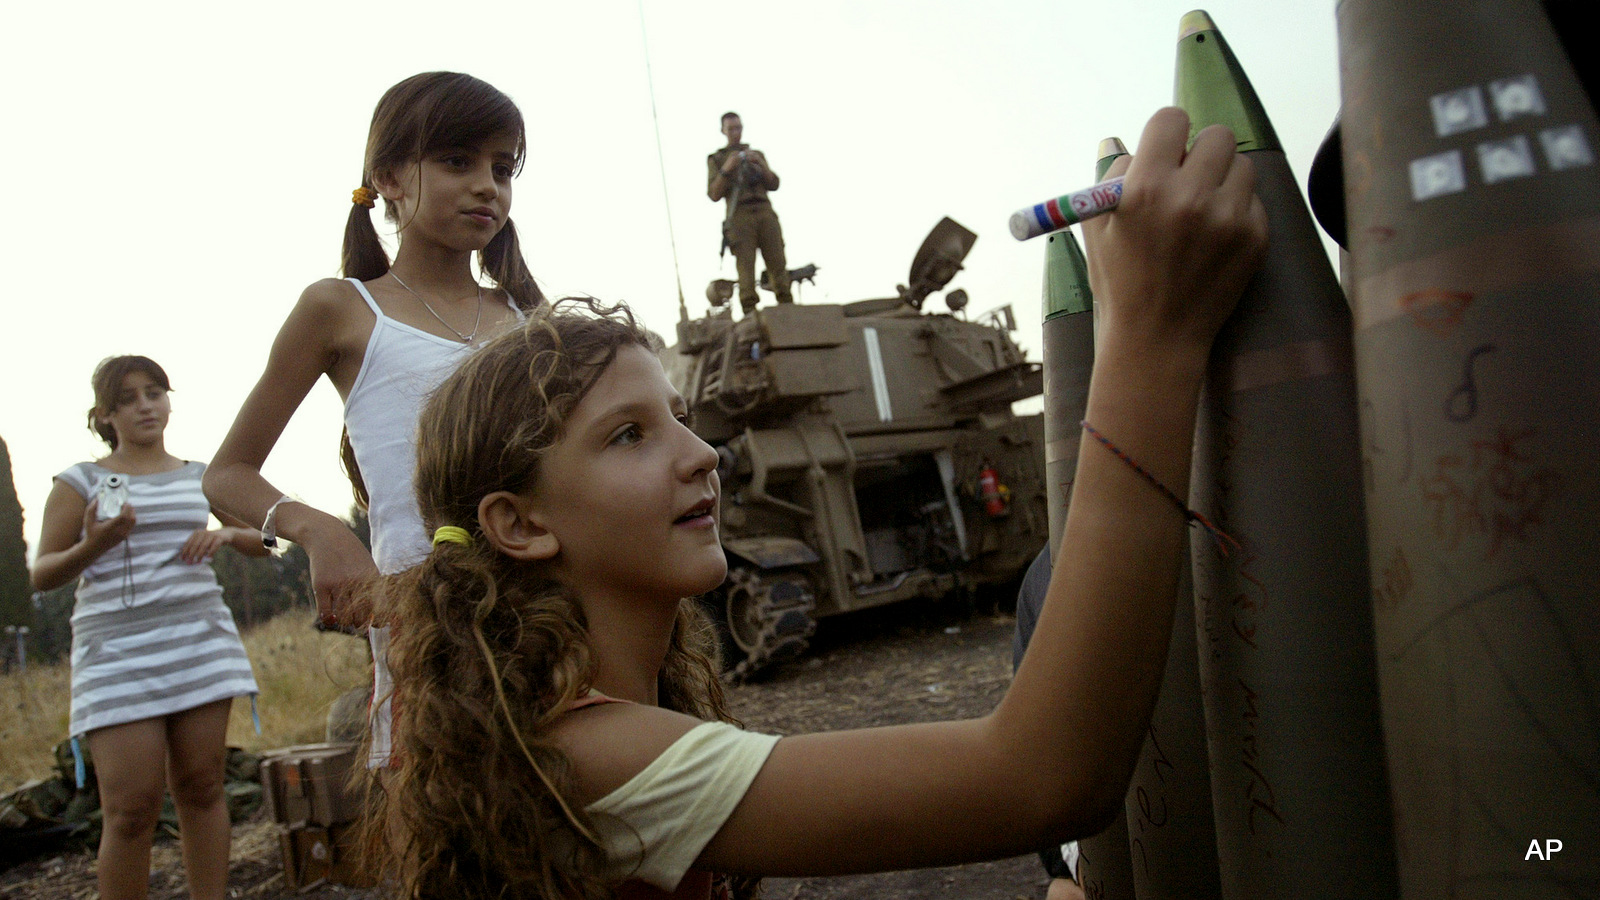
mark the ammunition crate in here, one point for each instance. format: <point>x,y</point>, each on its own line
<point>307,785</point>
<point>313,854</point>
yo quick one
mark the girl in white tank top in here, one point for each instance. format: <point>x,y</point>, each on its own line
<point>441,154</point>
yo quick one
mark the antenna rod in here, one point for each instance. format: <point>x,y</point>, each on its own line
<point>672,237</point>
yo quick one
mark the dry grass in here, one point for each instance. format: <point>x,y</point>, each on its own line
<point>300,673</point>
<point>33,719</point>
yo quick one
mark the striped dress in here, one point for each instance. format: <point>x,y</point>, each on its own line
<point>150,633</point>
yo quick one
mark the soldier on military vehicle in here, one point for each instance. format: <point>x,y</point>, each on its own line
<point>742,177</point>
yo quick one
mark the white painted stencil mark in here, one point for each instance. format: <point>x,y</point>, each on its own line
<point>1566,148</point>
<point>1505,160</point>
<point>1442,173</point>
<point>1458,111</point>
<point>1515,97</point>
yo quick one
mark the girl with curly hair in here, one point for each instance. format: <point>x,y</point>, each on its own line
<point>561,729</point>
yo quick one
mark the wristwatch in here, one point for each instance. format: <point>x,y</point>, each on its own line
<point>269,525</point>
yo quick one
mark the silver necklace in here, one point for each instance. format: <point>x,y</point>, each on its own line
<point>465,338</point>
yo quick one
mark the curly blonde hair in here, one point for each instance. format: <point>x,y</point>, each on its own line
<point>487,651</point>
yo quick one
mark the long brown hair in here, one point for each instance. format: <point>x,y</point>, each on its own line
<point>487,652</point>
<point>107,383</point>
<point>425,114</point>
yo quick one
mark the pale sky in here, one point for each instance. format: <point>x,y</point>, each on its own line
<point>180,172</point>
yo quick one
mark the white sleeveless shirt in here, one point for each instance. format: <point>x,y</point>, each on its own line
<point>402,366</point>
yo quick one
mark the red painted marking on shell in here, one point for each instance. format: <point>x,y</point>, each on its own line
<point>1495,491</point>
<point>1436,310</point>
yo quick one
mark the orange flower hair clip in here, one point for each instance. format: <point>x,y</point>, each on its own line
<point>364,196</point>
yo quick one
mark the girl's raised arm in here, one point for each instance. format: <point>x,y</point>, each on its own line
<point>323,334</point>
<point>72,537</point>
<point>1053,760</point>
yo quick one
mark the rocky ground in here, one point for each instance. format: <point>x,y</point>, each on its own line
<point>877,668</point>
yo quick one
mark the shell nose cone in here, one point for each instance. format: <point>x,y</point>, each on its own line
<point>1194,22</point>
<point>1112,147</point>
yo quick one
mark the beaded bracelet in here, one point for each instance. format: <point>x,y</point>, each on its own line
<point>1224,542</point>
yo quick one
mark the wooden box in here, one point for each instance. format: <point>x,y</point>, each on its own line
<point>308,784</point>
<point>314,854</point>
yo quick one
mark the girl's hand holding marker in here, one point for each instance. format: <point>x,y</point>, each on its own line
<point>1188,233</point>
<point>574,519</point>
<point>1068,209</point>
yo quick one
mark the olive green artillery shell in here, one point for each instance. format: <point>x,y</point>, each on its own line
<point>1473,206</point>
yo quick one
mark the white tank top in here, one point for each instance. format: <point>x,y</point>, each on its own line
<point>401,368</point>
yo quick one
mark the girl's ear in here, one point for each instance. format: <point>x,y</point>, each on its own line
<point>509,523</point>
<point>388,186</point>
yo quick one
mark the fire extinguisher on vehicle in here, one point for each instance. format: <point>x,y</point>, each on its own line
<point>991,492</point>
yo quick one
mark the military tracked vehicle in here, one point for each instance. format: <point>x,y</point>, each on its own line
<point>869,454</point>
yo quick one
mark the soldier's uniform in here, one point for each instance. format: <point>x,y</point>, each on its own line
<point>752,226</point>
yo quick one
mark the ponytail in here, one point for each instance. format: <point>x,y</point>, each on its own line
<point>363,257</point>
<point>502,260</point>
<point>418,116</point>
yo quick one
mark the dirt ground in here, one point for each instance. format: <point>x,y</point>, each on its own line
<point>882,667</point>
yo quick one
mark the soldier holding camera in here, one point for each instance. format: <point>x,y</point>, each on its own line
<point>742,177</point>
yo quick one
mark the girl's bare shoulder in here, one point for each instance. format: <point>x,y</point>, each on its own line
<point>612,742</point>
<point>332,298</point>
<point>325,332</point>
<point>331,313</point>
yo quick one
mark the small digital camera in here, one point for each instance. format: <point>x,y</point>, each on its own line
<point>112,494</point>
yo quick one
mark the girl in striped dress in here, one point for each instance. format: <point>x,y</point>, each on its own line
<point>156,658</point>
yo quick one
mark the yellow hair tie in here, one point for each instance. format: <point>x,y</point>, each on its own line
<point>450,534</point>
<point>364,196</point>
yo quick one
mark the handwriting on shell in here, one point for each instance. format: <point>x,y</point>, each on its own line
<point>1258,790</point>
<point>1153,809</point>
<point>1462,404</point>
<point>1495,491</point>
<point>1397,581</point>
